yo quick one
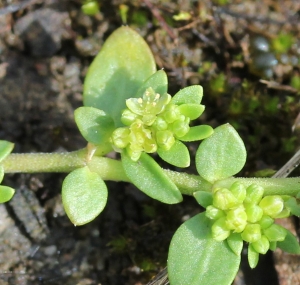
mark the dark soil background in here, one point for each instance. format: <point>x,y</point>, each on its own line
<point>229,47</point>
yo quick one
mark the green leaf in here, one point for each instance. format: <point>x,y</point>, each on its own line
<point>158,81</point>
<point>203,198</point>
<point>94,125</point>
<point>221,155</point>
<point>198,133</point>
<point>6,193</point>
<point>196,258</point>
<point>193,111</point>
<point>293,206</point>
<point>5,149</point>
<point>253,256</point>
<point>84,195</point>
<point>149,177</point>
<point>178,155</point>
<point>290,244</point>
<point>235,242</point>
<point>1,173</point>
<point>118,71</point>
<point>188,95</point>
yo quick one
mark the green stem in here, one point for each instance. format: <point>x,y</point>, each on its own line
<point>44,162</point>
<point>110,169</point>
<point>272,186</point>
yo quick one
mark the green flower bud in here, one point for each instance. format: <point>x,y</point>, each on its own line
<point>160,124</point>
<point>149,119</point>
<point>275,233</point>
<point>254,213</point>
<point>219,229</point>
<point>134,155</point>
<point>171,113</point>
<point>236,219</point>
<point>165,139</point>
<point>214,213</point>
<point>239,191</point>
<point>272,205</point>
<point>224,199</point>
<point>150,145</point>
<point>283,214</point>
<point>128,117</point>
<point>251,233</point>
<point>254,194</point>
<point>262,245</point>
<point>120,137</point>
<point>265,222</point>
<point>181,126</point>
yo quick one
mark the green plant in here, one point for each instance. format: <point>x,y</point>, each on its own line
<point>127,109</point>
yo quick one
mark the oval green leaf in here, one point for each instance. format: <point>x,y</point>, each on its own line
<point>149,177</point>
<point>94,124</point>
<point>6,193</point>
<point>158,81</point>
<point>196,258</point>
<point>203,198</point>
<point>290,244</point>
<point>235,242</point>
<point>188,95</point>
<point>198,133</point>
<point>193,111</point>
<point>178,155</point>
<point>84,195</point>
<point>118,71</point>
<point>293,206</point>
<point>1,173</point>
<point>253,256</point>
<point>5,149</point>
<point>221,155</point>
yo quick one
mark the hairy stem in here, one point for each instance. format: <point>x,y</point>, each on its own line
<point>110,169</point>
<point>44,162</point>
<point>272,186</point>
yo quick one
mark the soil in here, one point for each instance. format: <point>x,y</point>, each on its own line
<point>45,50</point>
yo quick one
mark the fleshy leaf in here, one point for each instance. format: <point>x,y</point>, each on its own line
<point>235,242</point>
<point>203,198</point>
<point>193,111</point>
<point>253,256</point>
<point>290,244</point>
<point>157,81</point>
<point>94,124</point>
<point>149,177</point>
<point>198,133</point>
<point>293,206</point>
<point>118,71</point>
<point>196,258</point>
<point>1,173</point>
<point>221,155</point>
<point>188,95</point>
<point>178,155</point>
<point>5,149</point>
<point>84,195</point>
<point>6,193</point>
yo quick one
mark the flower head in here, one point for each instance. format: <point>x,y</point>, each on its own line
<point>153,122</point>
<point>244,211</point>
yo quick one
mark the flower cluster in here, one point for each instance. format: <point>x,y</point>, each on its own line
<point>151,122</point>
<point>245,211</point>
